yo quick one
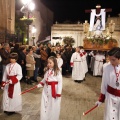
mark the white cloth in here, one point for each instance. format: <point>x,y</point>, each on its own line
<point>92,18</point>
<point>105,64</point>
<point>78,68</point>
<point>39,86</point>
<point>60,63</point>
<point>15,103</point>
<point>112,103</point>
<point>98,65</point>
<point>50,107</point>
<point>98,103</point>
<point>84,60</point>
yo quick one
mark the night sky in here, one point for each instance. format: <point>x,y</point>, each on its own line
<point>74,10</point>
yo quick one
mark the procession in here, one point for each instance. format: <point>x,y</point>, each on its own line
<point>73,74</point>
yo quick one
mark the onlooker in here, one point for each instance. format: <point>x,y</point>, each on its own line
<point>5,52</point>
<point>30,66</point>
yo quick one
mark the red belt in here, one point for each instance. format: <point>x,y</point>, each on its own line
<point>53,83</point>
<point>11,86</point>
<point>113,91</point>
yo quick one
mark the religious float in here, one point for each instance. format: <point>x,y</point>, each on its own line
<point>94,37</point>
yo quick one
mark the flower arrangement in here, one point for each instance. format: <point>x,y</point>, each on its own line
<point>100,42</point>
<point>68,40</point>
<point>27,21</point>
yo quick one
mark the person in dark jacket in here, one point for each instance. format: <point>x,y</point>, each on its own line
<point>48,50</point>
<point>22,61</point>
<point>5,52</point>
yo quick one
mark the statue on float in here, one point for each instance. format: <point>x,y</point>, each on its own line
<point>97,26</point>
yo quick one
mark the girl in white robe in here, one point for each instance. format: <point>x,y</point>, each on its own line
<point>51,95</point>
<point>110,87</point>
<point>12,101</point>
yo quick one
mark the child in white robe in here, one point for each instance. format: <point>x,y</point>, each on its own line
<point>59,61</point>
<point>110,87</point>
<point>12,101</point>
<point>51,95</point>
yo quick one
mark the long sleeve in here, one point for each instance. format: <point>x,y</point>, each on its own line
<point>4,79</point>
<point>19,72</point>
<point>104,85</point>
<point>42,82</point>
<point>59,88</point>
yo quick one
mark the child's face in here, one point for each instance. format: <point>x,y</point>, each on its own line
<point>12,60</point>
<point>50,64</point>
<point>114,61</point>
<point>58,56</point>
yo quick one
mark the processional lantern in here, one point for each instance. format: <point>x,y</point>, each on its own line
<point>111,27</point>
<point>86,28</point>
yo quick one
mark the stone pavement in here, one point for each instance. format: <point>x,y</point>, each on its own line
<point>76,99</point>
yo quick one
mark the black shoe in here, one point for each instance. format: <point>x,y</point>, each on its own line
<point>6,112</point>
<point>10,113</point>
<point>75,81</point>
<point>79,81</point>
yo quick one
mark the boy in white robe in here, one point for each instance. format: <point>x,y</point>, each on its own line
<point>110,87</point>
<point>78,73</point>
<point>12,101</point>
<point>98,65</point>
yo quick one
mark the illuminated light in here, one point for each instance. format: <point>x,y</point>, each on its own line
<point>31,6</point>
<point>26,1</point>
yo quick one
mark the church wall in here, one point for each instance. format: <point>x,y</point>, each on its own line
<point>7,16</point>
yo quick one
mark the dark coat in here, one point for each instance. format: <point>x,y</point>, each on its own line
<point>5,56</point>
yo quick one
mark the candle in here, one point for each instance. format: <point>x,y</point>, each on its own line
<point>28,90</point>
<point>85,113</point>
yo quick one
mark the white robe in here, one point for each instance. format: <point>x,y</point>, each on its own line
<point>84,60</point>
<point>112,103</point>
<point>50,107</point>
<point>60,63</point>
<point>98,65</point>
<point>78,67</point>
<point>15,103</point>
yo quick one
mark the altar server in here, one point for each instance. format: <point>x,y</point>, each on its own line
<point>78,73</point>
<point>110,87</point>
<point>59,61</point>
<point>12,101</point>
<point>98,65</point>
<point>51,95</point>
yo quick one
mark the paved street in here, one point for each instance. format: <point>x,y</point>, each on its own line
<point>76,99</point>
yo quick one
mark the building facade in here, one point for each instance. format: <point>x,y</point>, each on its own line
<point>7,18</point>
<point>59,31</point>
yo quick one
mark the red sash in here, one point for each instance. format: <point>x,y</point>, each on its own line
<point>53,83</point>
<point>113,91</point>
<point>11,86</point>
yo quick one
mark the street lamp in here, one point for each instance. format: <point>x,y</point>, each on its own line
<point>28,7</point>
<point>33,33</point>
